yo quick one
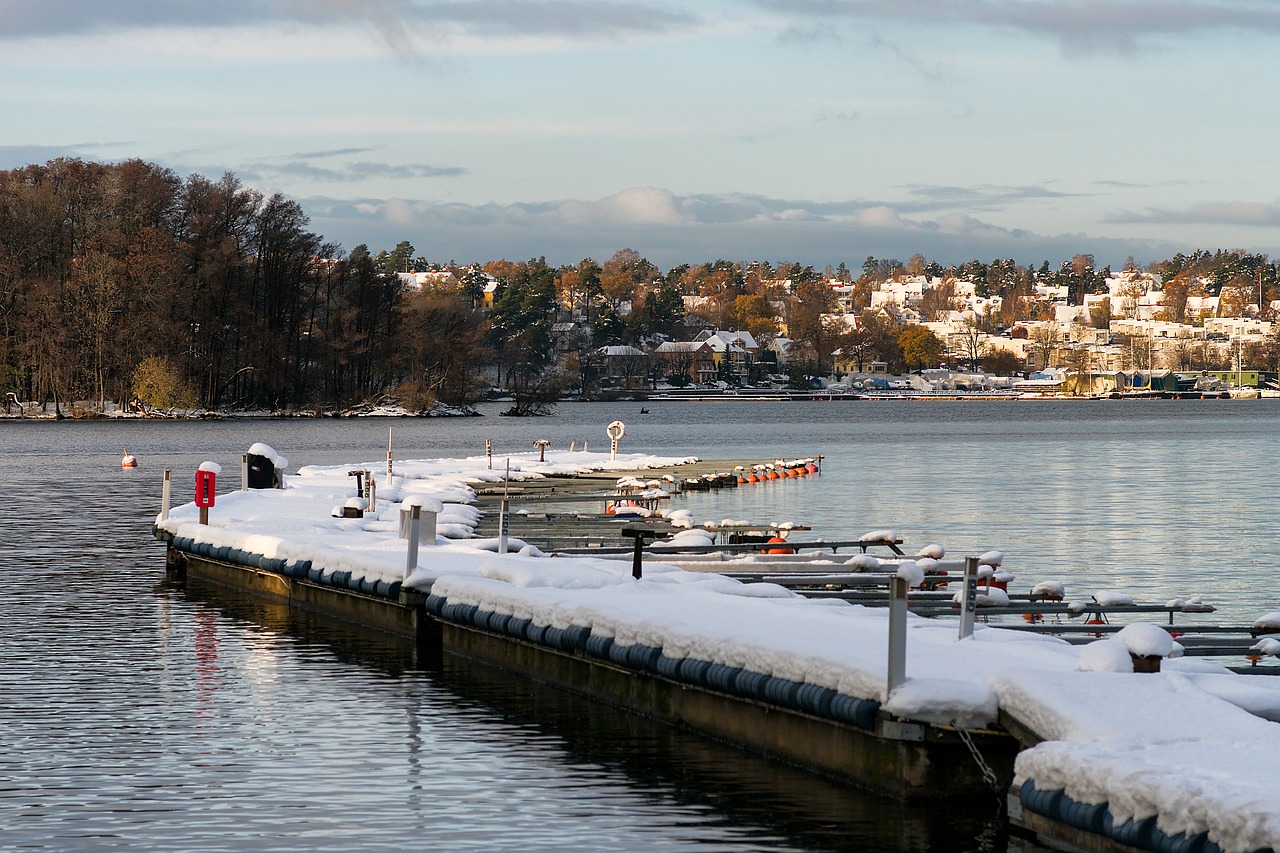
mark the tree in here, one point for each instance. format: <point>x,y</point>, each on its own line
<point>443,348</point>
<point>920,346</point>
<point>937,302</point>
<point>756,314</point>
<point>972,342</point>
<point>1044,340</point>
<point>157,384</point>
<point>1002,362</point>
<point>401,259</point>
<point>810,324</point>
<point>623,275</point>
<point>1100,314</point>
<point>1176,291</point>
<point>659,313</point>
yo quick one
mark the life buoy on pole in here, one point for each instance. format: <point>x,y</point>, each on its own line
<point>616,430</point>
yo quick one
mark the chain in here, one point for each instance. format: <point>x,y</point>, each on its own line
<point>987,773</point>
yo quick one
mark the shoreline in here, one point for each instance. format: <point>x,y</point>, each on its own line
<point>658,397</point>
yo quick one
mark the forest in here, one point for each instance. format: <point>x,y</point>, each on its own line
<point>126,282</point>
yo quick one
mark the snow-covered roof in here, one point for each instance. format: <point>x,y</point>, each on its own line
<point>619,351</point>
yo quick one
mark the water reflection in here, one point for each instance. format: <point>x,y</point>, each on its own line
<point>617,781</point>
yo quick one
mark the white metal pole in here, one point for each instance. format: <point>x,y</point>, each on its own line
<point>503,521</point>
<point>897,633</point>
<point>244,472</point>
<point>411,554</point>
<point>165,494</point>
<point>969,597</point>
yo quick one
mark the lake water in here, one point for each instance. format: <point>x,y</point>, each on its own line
<point>136,715</point>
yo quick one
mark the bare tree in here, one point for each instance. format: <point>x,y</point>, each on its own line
<point>1045,339</point>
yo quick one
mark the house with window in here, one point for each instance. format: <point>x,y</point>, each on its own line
<point>694,360</point>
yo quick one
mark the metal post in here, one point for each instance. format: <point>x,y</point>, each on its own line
<point>504,519</point>
<point>502,528</point>
<point>411,554</point>
<point>388,456</point>
<point>373,490</point>
<point>970,597</point>
<point>488,451</point>
<point>244,472</point>
<point>637,559</point>
<point>165,494</point>
<point>897,633</point>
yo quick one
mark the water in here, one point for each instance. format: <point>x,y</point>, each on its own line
<point>135,715</point>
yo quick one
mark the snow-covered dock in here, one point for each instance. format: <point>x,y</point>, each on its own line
<point>1182,756</point>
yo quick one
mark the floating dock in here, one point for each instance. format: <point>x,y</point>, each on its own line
<point>829,672</point>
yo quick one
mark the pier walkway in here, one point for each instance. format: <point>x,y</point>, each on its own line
<point>1105,755</point>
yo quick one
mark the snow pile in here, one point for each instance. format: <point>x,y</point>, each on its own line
<point>1269,622</point>
<point>260,449</point>
<point>911,572</point>
<point>985,596</point>
<point>863,563</point>
<point>1052,590</point>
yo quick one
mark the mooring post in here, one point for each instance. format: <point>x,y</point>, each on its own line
<point>642,536</point>
<point>388,456</point>
<point>503,525</point>
<point>373,491</point>
<point>165,492</point>
<point>411,554</point>
<point>897,633</point>
<point>503,516</point>
<point>488,451</point>
<point>637,559</point>
<point>244,472</point>
<point>969,600</point>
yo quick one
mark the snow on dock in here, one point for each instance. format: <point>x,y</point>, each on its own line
<point>1190,749</point>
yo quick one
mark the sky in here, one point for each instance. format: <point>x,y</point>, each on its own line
<point>816,131</point>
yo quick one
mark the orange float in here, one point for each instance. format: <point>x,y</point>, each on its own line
<point>776,540</point>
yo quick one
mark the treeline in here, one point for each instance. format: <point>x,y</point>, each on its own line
<point>220,292</point>
<point>126,282</point>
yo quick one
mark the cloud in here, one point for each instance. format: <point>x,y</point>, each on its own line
<point>17,156</point>
<point>400,22</point>
<point>981,197</point>
<point>671,229</point>
<point>1079,26</point>
<point>1241,213</point>
<point>351,172</point>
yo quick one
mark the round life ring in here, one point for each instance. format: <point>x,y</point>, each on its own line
<point>617,430</point>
